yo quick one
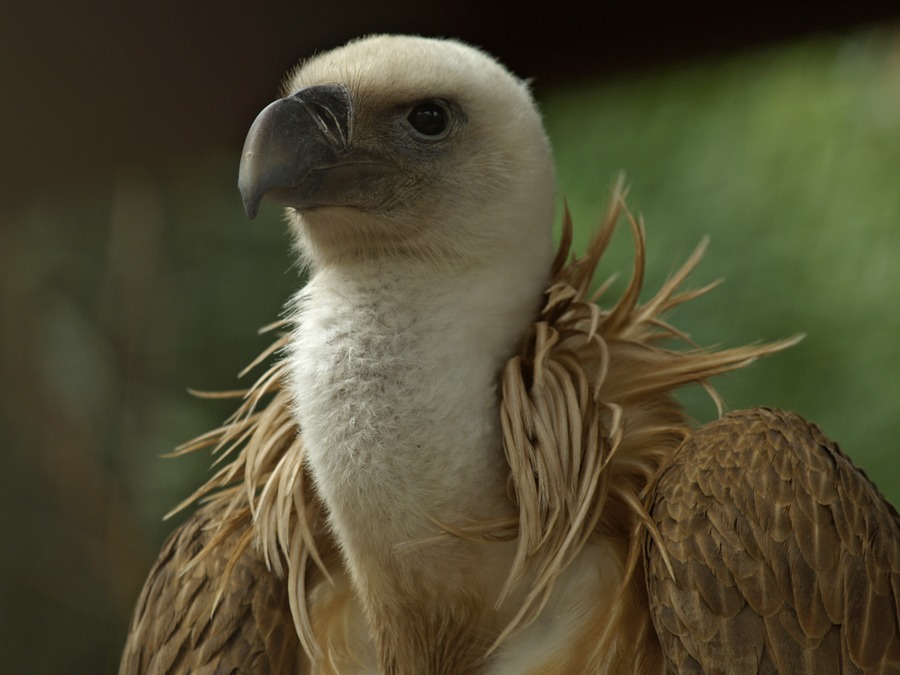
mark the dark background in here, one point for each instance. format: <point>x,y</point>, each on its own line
<point>90,85</point>
<point>128,272</point>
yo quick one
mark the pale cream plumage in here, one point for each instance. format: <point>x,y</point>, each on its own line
<point>540,566</point>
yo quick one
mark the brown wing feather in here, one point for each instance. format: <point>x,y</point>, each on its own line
<point>177,626</point>
<point>785,557</point>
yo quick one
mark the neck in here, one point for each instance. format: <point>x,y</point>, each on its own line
<point>395,374</point>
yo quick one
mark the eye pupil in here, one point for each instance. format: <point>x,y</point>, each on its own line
<point>429,118</point>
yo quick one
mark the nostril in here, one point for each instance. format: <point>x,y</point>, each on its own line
<point>329,106</point>
<point>329,123</point>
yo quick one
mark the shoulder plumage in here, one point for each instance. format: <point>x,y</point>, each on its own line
<point>774,553</point>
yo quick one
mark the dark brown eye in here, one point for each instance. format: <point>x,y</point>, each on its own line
<point>430,118</point>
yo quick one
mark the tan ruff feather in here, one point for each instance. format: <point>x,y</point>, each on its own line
<point>587,419</point>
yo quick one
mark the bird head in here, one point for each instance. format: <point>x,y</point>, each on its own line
<point>405,147</point>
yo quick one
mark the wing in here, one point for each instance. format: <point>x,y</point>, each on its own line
<point>784,557</point>
<point>177,629</point>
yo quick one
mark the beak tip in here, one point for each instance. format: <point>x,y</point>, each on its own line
<point>250,194</point>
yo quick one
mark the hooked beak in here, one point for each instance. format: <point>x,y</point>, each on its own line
<point>291,145</point>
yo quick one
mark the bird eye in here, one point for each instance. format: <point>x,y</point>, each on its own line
<point>430,118</point>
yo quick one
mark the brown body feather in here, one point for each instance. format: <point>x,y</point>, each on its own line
<point>588,421</point>
<point>179,626</point>
<point>786,559</point>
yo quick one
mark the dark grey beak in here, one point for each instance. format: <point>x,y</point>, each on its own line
<point>289,140</point>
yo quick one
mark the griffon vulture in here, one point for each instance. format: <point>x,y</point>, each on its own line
<point>464,461</point>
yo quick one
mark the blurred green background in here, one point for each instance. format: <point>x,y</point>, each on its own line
<point>120,294</point>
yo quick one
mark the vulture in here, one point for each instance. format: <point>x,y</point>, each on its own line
<point>463,459</point>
